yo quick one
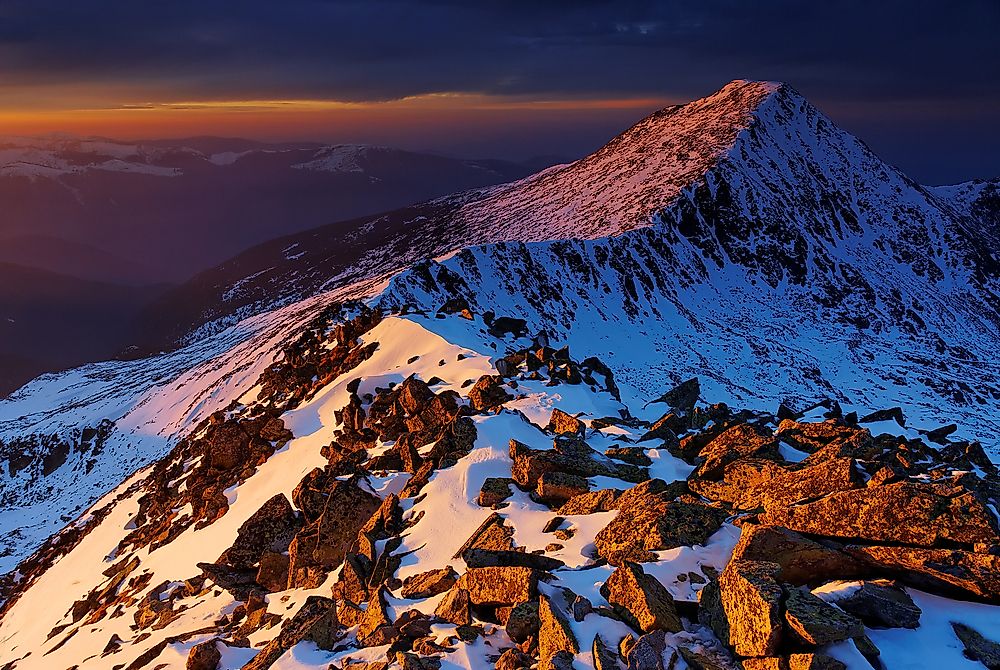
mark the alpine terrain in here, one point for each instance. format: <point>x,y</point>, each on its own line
<point>721,395</point>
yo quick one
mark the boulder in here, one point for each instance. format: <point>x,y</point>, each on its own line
<point>272,573</point>
<point>487,558</point>
<point>204,656</point>
<point>554,632</point>
<point>314,621</point>
<point>977,647</point>
<point>454,607</point>
<point>499,585</point>
<point>648,653</point>
<point>649,520</point>
<point>493,533</point>
<point>832,437</point>
<point>604,658</point>
<point>560,660</point>
<point>565,424</point>
<point>881,604</point>
<point>429,583</point>
<point>570,456</point>
<point>911,513</point>
<point>800,559</point>
<point>522,621</point>
<point>814,661</point>
<point>494,491</point>
<point>603,500</point>
<point>488,393</point>
<point>948,571</point>
<point>513,659</point>
<point>741,441</point>
<point>555,488</point>
<point>816,481</point>
<point>640,600</point>
<point>813,621</point>
<point>890,414</point>
<point>744,608</point>
<point>683,396</point>
<point>270,528</point>
<point>632,455</point>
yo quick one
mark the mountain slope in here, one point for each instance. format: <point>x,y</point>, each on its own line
<point>779,261</point>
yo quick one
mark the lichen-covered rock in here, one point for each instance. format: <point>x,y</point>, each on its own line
<point>513,659</point>
<point>813,621</point>
<point>429,583</point>
<point>499,585</point>
<point>272,573</point>
<point>744,608</point>
<point>314,621</point>
<point>555,488</point>
<point>488,393</point>
<point>554,632</point>
<point>977,647</point>
<point>948,571</point>
<point>204,656</point>
<point>802,560</point>
<point>270,528</point>
<point>603,500</point>
<point>651,520</point>
<point>911,513</point>
<point>642,601</point>
<point>881,604</point>
<point>494,491</point>
<point>565,424</point>
<point>454,607</point>
<point>522,622</point>
<point>491,558</point>
<point>814,661</point>
<point>604,658</point>
<point>741,441</point>
<point>834,438</point>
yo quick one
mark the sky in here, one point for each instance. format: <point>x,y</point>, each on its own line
<point>917,80</point>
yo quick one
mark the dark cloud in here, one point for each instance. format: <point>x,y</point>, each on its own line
<point>837,52</point>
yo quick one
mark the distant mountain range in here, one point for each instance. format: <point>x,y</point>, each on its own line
<point>148,214</point>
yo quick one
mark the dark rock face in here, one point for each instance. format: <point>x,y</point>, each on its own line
<point>204,656</point>
<point>488,393</point>
<point>977,647</point>
<point>744,608</point>
<point>881,604</point>
<point>269,529</point>
<point>800,559</point>
<point>814,622</point>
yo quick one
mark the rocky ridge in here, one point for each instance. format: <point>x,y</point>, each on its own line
<point>673,534</point>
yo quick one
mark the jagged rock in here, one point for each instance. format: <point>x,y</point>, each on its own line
<point>815,622</point>
<point>829,439</point>
<point>486,558</point>
<point>429,583</point>
<point>324,542</point>
<point>568,455</point>
<point>493,533</point>
<point>647,653</point>
<point>867,648</point>
<point>830,476</point>
<point>272,573</point>
<point>513,659</point>
<point>204,656</point>
<point>373,628</point>
<point>977,647</point>
<point>487,393</point>
<point>666,428</point>
<point>270,528</point>
<point>650,520</point>
<point>555,488</point>
<point>801,560</point>
<point>522,621</point>
<point>314,621</point>
<point>354,579</point>
<point>911,513</point>
<point>640,600</point>
<point>683,396</point>
<point>741,441</point>
<point>949,571</point>
<point>560,660</point>
<point>881,604</point>
<point>238,582</point>
<point>454,607</point>
<point>499,586</point>
<point>494,491</point>
<point>742,483</point>
<point>891,414</point>
<point>604,658</point>
<point>744,608</point>
<point>814,661</point>
<point>589,503</point>
<point>554,632</point>
<point>565,424</point>
<point>704,658</point>
<point>632,455</point>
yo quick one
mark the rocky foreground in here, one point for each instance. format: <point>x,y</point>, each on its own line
<point>493,516</point>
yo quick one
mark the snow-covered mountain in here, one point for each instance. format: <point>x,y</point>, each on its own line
<point>742,238</point>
